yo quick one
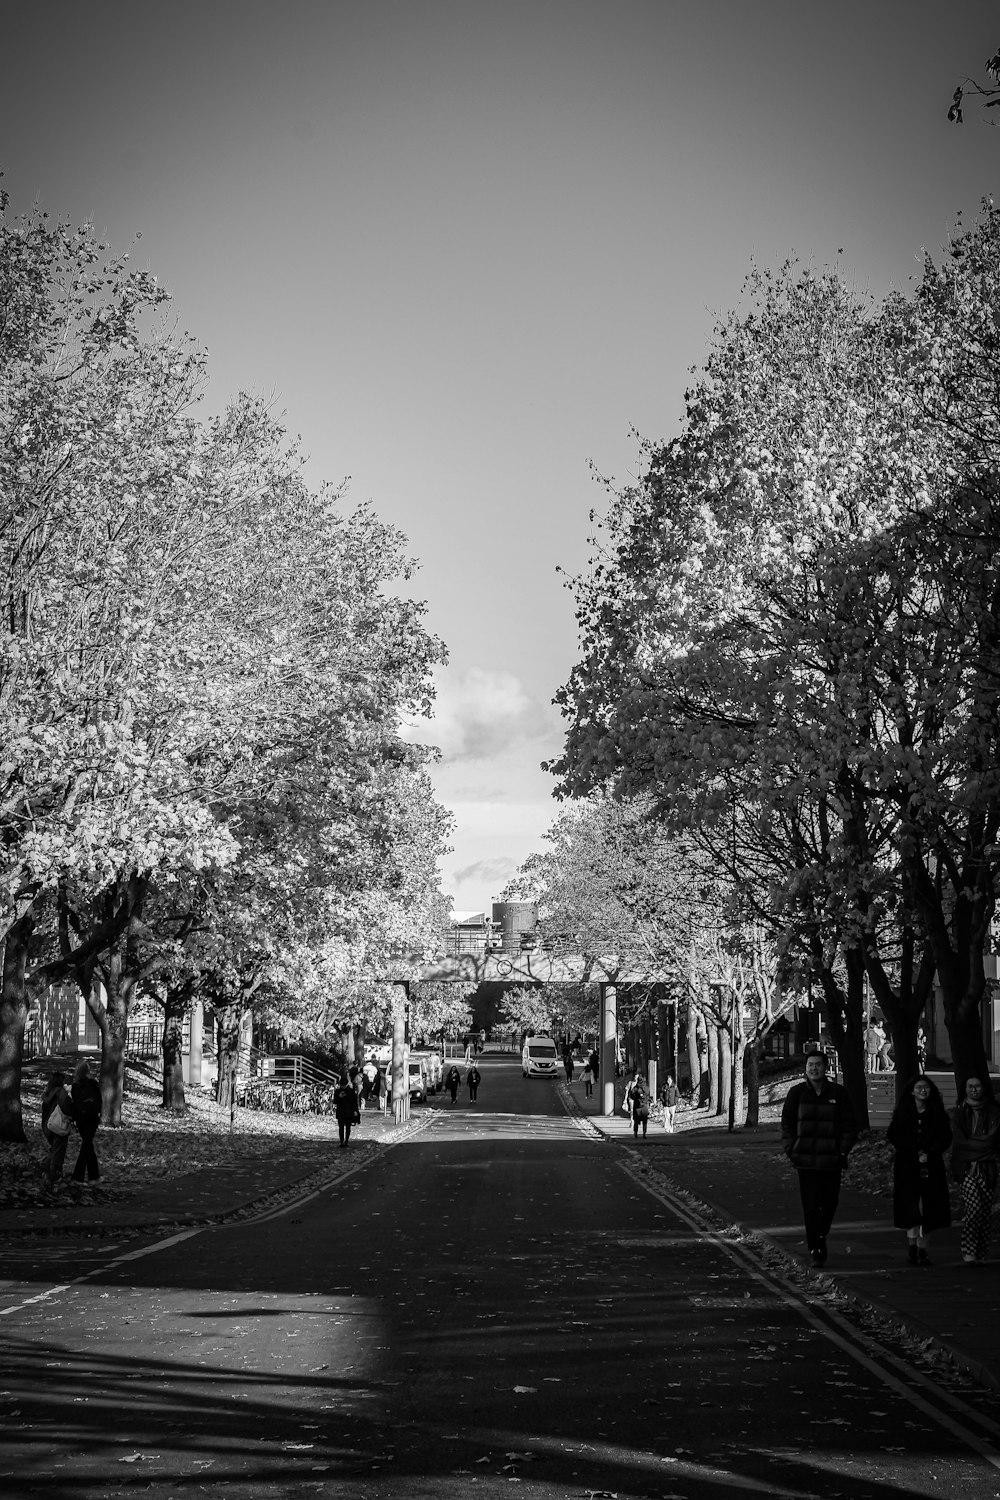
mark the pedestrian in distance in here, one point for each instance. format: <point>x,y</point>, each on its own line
<point>57,1119</point>
<point>668,1098</point>
<point>588,1081</point>
<point>594,1062</point>
<point>871,1047</point>
<point>369,1083</point>
<point>975,1147</point>
<point>473,1079</point>
<point>568,1065</point>
<point>345,1103</point>
<point>818,1129</point>
<point>86,1096</point>
<point>920,1133</point>
<point>452,1080</point>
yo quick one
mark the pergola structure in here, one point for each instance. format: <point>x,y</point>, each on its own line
<point>538,967</point>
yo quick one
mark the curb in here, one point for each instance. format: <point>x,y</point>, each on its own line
<point>288,1192</point>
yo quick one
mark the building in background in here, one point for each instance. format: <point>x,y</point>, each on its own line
<point>515,922</point>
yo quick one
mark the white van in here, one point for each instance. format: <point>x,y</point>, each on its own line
<point>417,1081</point>
<point>539,1057</point>
<point>434,1068</point>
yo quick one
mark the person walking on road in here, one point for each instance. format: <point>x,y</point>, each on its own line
<point>345,1103</point>
<point>594,1061</point>
<point>86,1095</point>
<point>588,1081</point>
<point>668,1098</point>
<point>637,1096</point>
<point>57,1118</point>
<point>473,1078</point>
<point>975,1147</point>
<point>818,1129</point>
<point>568,1065</point>
<point>920,1132</point>
<point>452,1080</point>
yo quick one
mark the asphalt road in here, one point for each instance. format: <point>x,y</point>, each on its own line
<point>500,1304</point>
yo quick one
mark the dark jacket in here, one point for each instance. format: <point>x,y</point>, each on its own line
<point>345,1102</point>
<point>919,1190</point>
<point>668,1095</point>
<point>473,1078</point>
<point>639,1100</point>
<point>87,1106</point>
<point>817,1130</point>
<point>975,1141</point>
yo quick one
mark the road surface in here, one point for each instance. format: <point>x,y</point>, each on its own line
<point>501,1304</point>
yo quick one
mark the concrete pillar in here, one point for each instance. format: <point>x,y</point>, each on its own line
<point>400,1081</point>
<point>196,1042</point>
<point>609,1039</point>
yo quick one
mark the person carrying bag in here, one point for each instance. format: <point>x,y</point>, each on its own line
<point>57,1117</point>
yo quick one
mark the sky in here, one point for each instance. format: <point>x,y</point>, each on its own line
<point>472,250</point>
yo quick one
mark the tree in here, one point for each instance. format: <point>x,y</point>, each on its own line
<point>988,94</point>
<point>778,625</point>
<point>203,663</point>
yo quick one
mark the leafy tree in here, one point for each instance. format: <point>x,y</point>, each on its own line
<point>987,94</point>
<point>779,626</point>
<point>205,663</point>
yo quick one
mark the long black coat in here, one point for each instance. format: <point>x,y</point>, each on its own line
<point>345,1103</point>
<point>916,1199</point>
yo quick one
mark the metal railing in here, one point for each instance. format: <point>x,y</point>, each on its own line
<point>289,1067</point>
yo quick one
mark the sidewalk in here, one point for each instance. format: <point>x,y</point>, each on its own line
<point>213,1194</point>
<point>745,1177</point>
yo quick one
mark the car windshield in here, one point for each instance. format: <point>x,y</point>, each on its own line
<point>541,1049</point>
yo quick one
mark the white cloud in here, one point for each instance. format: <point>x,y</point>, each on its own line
<point>487,873</point>
<point>480,714</point>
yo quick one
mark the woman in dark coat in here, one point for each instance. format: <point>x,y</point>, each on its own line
<point>345,1102</point>
<point>921,1133</point>
<point>452,1080</point>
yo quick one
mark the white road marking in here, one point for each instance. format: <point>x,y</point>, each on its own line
<point>848,1340</point>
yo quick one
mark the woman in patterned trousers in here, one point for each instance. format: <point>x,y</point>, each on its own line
<point>976,1142</point>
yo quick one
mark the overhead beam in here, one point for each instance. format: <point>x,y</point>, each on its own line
<point>525,968</point>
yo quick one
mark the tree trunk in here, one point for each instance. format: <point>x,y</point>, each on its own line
<point>712,1037</point>
<point>963,1021</point>
<point>725,1045</point>
<point>13,1016</point>
<point>903,1005</point>
<point>693,1054</point>
<point>229,1022</point>
<point>174,1010</point>
<point>664,1042</point>
<point>845,1012</point>
<point>751,1082</point>
<point>112,1018</point>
